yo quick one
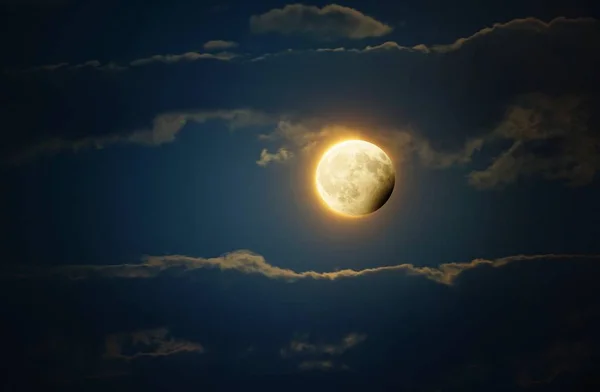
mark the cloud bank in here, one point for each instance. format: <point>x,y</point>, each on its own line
<point>509,119</point>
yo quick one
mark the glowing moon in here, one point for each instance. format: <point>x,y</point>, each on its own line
<point>355,178</point>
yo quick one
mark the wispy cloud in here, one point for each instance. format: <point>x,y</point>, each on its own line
<point>550,136</point>
<point>321,356</point>
<point>188,56</point>
<point>164,129</point>
<point>280,155</point>
<point>302,346</point>
<point>306,136</point>
<point>147,343</point>
<point>90,64</point>
<point>219,45</point>
<point>247,262</point>
<point>321,365</point>
<point>158,58</point>
<point>329,22</point>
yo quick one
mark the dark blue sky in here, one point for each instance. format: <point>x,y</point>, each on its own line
<point>147,246</point>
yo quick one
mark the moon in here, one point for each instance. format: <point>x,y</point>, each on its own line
<point>355,178</point>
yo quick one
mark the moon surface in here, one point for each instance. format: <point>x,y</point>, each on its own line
<point>355,178</point>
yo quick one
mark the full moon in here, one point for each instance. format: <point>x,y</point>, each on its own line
<point>355,178</point>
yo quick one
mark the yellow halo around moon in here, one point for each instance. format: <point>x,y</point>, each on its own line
<point>355,178</point>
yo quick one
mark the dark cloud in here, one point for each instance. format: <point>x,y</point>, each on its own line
<point>445,102</point>
<point>147,343</point>
<point>514,329</point>
<point>330,22</point>
<point>82,356</point>
<point>515,65</point>
<point>549,136</point>
<point>552,362</point>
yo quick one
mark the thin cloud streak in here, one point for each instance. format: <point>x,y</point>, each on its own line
<point>302,346</point>
<point>219,44</point>
<point>165,128</point>
<point>248,262</point>
<point>113,66</point>
<point>150,343</point>
<point>188,56</point>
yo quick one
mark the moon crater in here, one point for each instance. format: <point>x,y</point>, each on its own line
<point>355,178</point>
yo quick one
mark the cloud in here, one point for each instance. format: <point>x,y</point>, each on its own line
<point>219,45</point>
<point>159,58</point>
<point>77,357</point>
<point>320,365</point>
<point>545,366</point>
<point>147,344</point>
<point>442,104</point>
<point>90,64</point>
<point>165,128</point>
<point>307,135</point>
<point>302,346</point>
<point>281,155</point>
<point>555,27</point>
<point>247,262</point>
<point>549,136</point>
<point>321,354</point>
<point>559,29</point>
<point>48,67</point>
<point>330,22</point>
<point>188,56</point>
<point>297,18</point>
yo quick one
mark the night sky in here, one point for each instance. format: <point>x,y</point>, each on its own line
<point>160,229</point>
